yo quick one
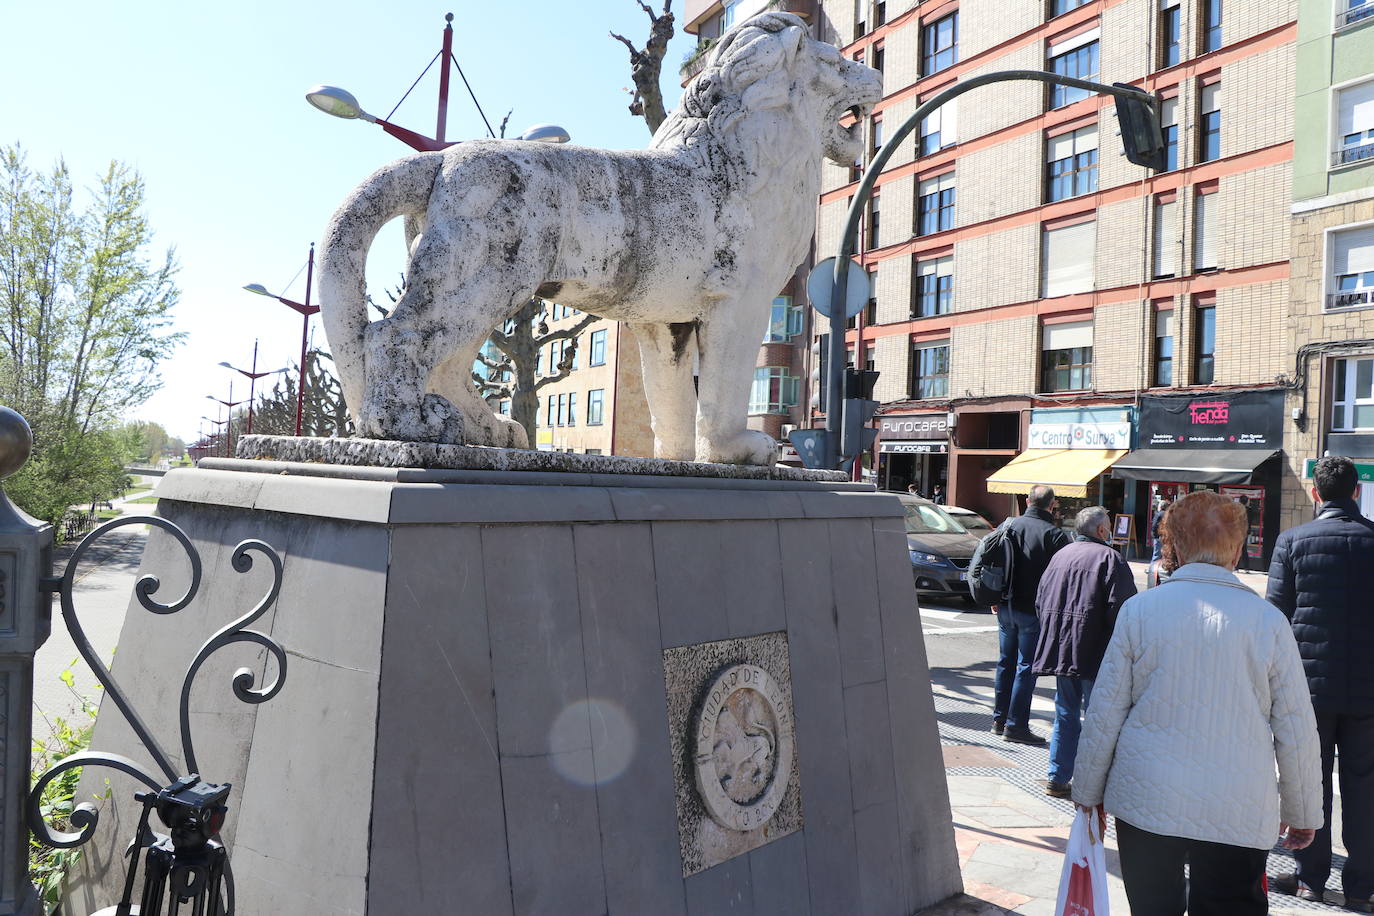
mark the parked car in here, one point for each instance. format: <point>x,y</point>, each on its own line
<point>973,523</point>
<point>940,549</point>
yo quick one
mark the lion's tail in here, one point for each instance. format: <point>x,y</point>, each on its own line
<point>401,188</point>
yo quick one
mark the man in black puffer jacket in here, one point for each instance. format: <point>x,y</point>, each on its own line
<point>1322,578</point>
<point>1035,537</point>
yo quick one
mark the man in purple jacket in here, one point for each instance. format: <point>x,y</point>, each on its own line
<point>1077,601</point>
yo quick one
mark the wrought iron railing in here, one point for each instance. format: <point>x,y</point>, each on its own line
<point>1351,155</point>
<point>1355,14</point>
<point>190,864</point>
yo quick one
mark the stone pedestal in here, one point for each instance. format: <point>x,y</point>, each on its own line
<point>507,691</point>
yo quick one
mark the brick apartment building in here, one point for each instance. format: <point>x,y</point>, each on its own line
<point>1033,287</point>
<point>1331,326</point>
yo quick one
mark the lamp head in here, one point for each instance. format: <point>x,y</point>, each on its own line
<point>259,289</point>
<point>546,133</point>
<point>225,365</point>
<point>337,102</point>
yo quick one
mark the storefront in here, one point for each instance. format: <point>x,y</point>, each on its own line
<point>1071,450</point>
<point>1228,442</point>
<point>913,449</point>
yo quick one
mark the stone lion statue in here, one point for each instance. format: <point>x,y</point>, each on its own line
<point>687,242</point>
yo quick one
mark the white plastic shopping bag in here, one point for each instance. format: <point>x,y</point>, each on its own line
<point>1083,883</point>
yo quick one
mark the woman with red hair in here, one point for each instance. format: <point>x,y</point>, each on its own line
<point>1200,695</point>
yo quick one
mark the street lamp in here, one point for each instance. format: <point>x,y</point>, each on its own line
<point>253,377</point>
<point>230,405</point>
<point>341,103</point>
<point>216,434</point>
<point>306,310</point>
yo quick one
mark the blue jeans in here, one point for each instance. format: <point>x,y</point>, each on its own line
<point>1071,696</point>
<point>1014,683</point>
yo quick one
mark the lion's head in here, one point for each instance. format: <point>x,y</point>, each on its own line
<point>768,69</point>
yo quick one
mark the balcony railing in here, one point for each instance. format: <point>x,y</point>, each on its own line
<point>1352,298</point>
<point>1350,155</point>
<point>1355,14</point>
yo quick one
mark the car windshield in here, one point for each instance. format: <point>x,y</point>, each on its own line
<point>923,519</point>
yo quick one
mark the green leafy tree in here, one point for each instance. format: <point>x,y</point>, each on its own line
<point>84,323</point>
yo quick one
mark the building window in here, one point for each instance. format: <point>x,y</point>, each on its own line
<point>1072,163</point>
<point>1170,22</point>
<point>935,204</point>
<point>728,19</point>
<point>1355,124</point>
<point>1168,118</point>
<point>596,406</point>
<point>1205,232</point>
<point>548,420</point>
<point>1066,357</point>
<point>1209,137</point>
<point>784,320</point>
<point>1205,361</point>
<point>930,370</point>
<point>879,13</point>
<point>562,410</point>
<point>875,135</point>
<point>1352,395</point>
<point>1352,268</point>
<point>873,220</point>
<point>934,287</point>
<point>940,44</point>
<point>503,408</point>
<point>1164,349</point>
<point>1165,261</point>
<point>1349,12</point>
<point>597,347</point>
<point>572,408</point>
<point>879,57</point>
<point>860,19</point>
<point>538,361</point>
<point>1060,7</point>
<point>774,391</point>
<point>938,129</point>
<point>1066,261</point>
<point>1211,25</point>
<point>1076,57</point>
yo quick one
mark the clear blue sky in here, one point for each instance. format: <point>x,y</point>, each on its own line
<point>207,101</point>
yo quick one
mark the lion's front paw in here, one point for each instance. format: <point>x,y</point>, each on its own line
<point>747,447</point>
<point>434,419</point>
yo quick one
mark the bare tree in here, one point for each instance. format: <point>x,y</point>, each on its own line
<point>514,376</point>
<point>646,65</point>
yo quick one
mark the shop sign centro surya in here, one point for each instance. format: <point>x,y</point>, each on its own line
<point>1080,435</point>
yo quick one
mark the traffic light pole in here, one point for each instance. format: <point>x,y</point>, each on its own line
<point>1138,112</point>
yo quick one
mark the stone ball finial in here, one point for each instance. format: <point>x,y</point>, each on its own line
<point>16,441</point>
<point>448,17</point>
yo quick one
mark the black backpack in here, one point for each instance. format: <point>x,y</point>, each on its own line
<point>989,572</point>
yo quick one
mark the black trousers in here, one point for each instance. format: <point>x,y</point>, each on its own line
<point>1223,880</point>
<point>1353,737</point>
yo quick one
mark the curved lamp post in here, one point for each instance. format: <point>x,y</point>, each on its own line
<point>253,377</point>
<point>229,430</point>
<point>306,310</point>
<point>1138,113</point>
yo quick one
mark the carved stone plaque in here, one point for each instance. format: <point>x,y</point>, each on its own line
<point>734,747</point>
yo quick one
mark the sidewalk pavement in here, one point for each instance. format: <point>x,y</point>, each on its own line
<point>1010,836</point>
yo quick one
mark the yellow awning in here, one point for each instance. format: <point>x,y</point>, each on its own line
<point>1068,470</point>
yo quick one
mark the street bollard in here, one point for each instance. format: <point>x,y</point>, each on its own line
<point>25,620</point>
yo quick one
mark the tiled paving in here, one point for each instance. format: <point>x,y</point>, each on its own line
<point>1011,836</point>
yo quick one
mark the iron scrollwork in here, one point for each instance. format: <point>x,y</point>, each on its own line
<point>190,864</point>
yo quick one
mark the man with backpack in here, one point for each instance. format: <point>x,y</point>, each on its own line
<point>1321,578</point>
<point>1022,547</point>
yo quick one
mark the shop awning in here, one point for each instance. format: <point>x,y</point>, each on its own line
<point>1068,470</point>
<point>1192,465</point>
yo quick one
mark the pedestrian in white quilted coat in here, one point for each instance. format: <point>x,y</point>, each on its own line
<point>1200,694</point>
